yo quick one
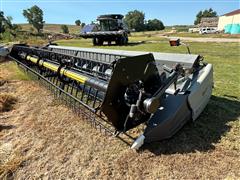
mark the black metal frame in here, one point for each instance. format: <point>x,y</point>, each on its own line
<point>76,62</point>
<point>68,94</point>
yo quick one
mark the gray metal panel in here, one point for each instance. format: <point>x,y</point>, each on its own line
<point>167,121</point>
<point>187,60</point>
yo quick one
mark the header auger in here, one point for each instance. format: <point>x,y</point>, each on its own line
<point>119,90</point>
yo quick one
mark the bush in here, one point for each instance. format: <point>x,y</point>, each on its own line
<point>65,29</point>
<point>155,24</point>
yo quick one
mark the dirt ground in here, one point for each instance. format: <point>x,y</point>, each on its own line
<point>42,139</point>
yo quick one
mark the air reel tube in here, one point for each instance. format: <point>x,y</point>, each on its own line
<point>93,82</point>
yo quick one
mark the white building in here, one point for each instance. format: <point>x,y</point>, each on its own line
<point>230,22</point>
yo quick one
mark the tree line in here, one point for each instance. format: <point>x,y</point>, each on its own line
<point>135,20</point>
<point>204,13</point>
<point>6,25</point>
<point>34,15</point>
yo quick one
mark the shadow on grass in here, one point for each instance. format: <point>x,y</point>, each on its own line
<point>6,127</point>
<point>3,60</point>
<point>204,132</point>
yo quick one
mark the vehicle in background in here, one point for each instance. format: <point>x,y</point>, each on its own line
<point>193,30</point>
<point>208,30</point>
<point>108,28</point>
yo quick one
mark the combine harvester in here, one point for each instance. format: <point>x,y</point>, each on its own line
<point>123,91</point>
<point>110,27</point>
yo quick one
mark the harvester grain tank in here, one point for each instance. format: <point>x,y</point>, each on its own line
<point>118,91</point>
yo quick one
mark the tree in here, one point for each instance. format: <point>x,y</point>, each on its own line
<point>82,25</point>
<point>65,29</point>
<point>206,13</point>
<point>78,22</point>
<point>8,22</point>
<point>135,20</point>
<point>31,29</point>
<point>5,22</point>
<point>2,22</point>
<point>7,25</point>
<point>34,16</point>
<point>154,24</point>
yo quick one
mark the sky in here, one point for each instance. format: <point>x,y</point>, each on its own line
<point>171,12</point>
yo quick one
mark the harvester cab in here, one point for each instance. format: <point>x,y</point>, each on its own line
<point>110,22</point>
<point>108,28</point>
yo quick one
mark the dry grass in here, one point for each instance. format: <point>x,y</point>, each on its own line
<point>2,82</point>
<point>10,163</point>
<point>7,102</point>
<point>54,28</point>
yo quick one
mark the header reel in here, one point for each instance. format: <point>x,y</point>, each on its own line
<point>124,92</point>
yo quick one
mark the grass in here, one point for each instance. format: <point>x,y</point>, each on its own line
<point>7,102</point>
<point>12,72</point>
<point>73,29</point>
